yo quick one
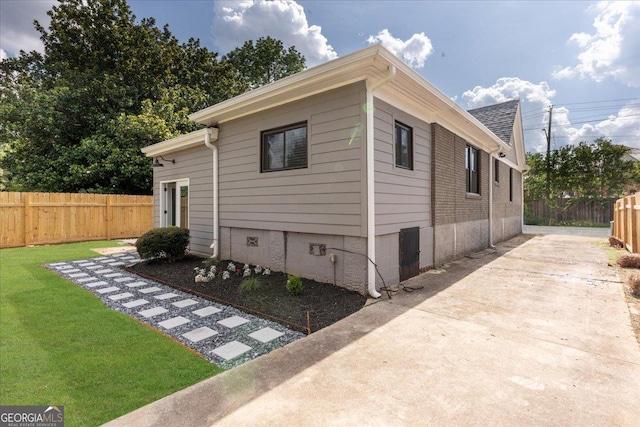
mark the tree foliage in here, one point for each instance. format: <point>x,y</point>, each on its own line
<point>265,61</point>
<point>596,171</point>
<point>76,116</point>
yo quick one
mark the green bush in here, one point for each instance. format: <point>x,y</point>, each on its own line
<point>165,242</point>
<point>249,285</point>
<point>294,285</point>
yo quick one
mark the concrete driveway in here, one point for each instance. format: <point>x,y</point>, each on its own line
<point>537,333</point>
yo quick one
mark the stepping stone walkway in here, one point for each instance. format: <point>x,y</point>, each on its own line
<point>223,335</point>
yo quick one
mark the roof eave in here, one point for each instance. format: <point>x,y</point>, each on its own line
<point>182,142</point>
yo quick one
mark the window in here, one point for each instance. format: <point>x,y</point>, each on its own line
<point>510,185</point>
<point>496,170</point>
<point>284,148</point>
<point>472,162</point>
<point>404,146</point>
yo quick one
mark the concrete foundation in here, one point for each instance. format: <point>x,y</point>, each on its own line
<point>303,254</point>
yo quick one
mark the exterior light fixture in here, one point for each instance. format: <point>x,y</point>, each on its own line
<point>157,164</point>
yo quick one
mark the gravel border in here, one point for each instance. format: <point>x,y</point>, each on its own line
<point>93,270</point>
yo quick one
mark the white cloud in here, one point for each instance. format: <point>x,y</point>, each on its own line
<point>16,25</point>
<point>3,55</point>
<point>618,127</point>
<point>238,21</point>
<point>414,51</point>
<point>612,50</point>
<point>507,88</point>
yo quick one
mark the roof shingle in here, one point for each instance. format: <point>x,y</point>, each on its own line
<point>498,118</point>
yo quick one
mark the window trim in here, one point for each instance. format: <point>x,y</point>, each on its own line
<point>469,171</point>
<point>398,124</point>
<point>283,129</point>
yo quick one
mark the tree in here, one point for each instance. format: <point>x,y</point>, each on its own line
<point>265,61</point>
<point>594,172</point>
<point>76,116</point>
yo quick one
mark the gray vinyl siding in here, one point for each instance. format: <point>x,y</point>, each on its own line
<point>195,165</point>
<point>403,197</point>
<point>326,197</point>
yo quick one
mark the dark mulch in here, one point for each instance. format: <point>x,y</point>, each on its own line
<point>325,303</point>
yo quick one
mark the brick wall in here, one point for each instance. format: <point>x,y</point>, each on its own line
<point>450,201</point>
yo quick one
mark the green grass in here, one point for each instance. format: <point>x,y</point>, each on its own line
<point>59,345</point>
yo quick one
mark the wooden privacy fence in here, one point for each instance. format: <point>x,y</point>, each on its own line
<point>47,218</point>
<point>583,210</point>
<point>626,223</point>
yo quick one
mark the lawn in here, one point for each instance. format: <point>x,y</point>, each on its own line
<point>59,345</point>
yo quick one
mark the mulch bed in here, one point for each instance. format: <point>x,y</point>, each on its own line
<point>324,303</point>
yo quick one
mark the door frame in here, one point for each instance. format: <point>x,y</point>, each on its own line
<point>165,201</point>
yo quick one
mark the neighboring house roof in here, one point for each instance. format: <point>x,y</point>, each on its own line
<point>498,118</point>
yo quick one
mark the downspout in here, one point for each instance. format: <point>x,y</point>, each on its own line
<point>371,212</point>
<point>214,148</point>
<point>491,184</point>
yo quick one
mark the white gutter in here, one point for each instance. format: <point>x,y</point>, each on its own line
<point>214,148</point>
<point>371,194</point>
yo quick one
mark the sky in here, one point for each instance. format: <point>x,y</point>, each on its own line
<point>582,57</point>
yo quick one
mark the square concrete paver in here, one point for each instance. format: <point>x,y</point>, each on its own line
<point>168,295</point>
<point>206,311</point>
<point>231,350</point>
<point>115,264</point>
<point>113,275</point>
<point>149,290</point>
<point>184,303</point>
<point>136,284</point>
<point>233,321</point>
<point>136,303</point>
<point>153,312</point>
<point>76,275</point>
<point>174,322</point>
<point>86,264</point>
<point>104,271</point>
<point>87,279</point>
<point>96,284</point>
<point>123,279</point>
<point>107,290</point>
<point>200,334</point>
<point>71,270</point>
<point>57,264</point>
<point>266,334</point>
<point>123,295</point>
<point>94,267</point>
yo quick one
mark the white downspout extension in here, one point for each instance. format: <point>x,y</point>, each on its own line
<point>371,194</point>
<point>207,141</point>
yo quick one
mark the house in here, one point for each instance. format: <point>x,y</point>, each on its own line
<point>356,161</point>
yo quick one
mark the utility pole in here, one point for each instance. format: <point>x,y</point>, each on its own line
<point>548,135</point>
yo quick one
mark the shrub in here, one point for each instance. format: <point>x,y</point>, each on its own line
<point>615,242</point>
<point>249,285</point>
<point>629,260</point>
<point>164,242</point>
<point>634,284</point>
<point>294,284</point>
